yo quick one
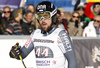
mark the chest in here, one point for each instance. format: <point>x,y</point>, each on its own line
<point>46,46</point>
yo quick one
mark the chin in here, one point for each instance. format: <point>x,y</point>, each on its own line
<point>44,29</point>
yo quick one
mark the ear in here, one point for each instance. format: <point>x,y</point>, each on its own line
<point>54,19</point>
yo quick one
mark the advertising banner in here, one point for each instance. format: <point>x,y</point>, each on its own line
<point>87,53</point>
<point>92,0</point>
<point>68,5</point>
<point>11,3</point>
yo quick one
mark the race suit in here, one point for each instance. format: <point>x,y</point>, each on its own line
<point>51,49</point>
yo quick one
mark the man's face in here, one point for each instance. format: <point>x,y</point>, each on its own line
<point>97,21</point>
<point>97,8</point>
<point>59,17</point>
<point>62,15</point>
<point>45,23</point>
<point>7,12</point>
<point>29,17</point>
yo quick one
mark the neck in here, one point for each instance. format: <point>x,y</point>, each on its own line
<point>95,13</point>
<point>97,27</point>
<point>50,30</point>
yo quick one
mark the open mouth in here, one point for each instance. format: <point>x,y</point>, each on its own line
<point>44,25</point>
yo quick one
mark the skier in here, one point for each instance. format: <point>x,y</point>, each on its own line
<point>52,45</point>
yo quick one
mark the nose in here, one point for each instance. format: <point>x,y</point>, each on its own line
<point>42,19</point>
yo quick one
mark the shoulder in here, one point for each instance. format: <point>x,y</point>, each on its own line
<point>13,22</point>
<point>62,31</point>
<point>90,25</point>
<point>36,31</point>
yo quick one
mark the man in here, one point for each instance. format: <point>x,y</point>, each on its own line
<point>93,29</point>
<point>63,19</point>
<point>51,44</point>
<point>96,8</point>
<point>58,23</point>
<point>91,14</point>
<point>27,25</point>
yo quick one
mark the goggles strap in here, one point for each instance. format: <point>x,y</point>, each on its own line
<point>54,12</point>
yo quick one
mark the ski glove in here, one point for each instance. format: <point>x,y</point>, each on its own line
<point>15,51</point>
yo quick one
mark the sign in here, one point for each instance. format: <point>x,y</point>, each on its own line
<point>13,4</point>
<point>92,0</point>
<point>87,53</point>
<point>68,5</point>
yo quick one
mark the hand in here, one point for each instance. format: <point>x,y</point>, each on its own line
<point>76,23</point>
<point>15,51</point>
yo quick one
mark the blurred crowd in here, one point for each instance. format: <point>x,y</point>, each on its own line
<point>23,22</point>
<point>19,21</point>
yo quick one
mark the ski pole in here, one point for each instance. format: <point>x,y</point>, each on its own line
<point>22,61</point>
<point>17,44</point>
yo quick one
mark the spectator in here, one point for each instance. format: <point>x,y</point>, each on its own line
<point>27,26</point>
<point>1,27</point>
<point>96,8</point>
<point>95,11</point>
<point>63,19</point>
<point>68,16</point>
<point>14,28</point>
<point>6,19</point>
<point>93,29</point>
<point>62,12</point>
<point>74,27</point>
<point>32,8</point>
<point>81,11</point>
<point>59,24</point>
